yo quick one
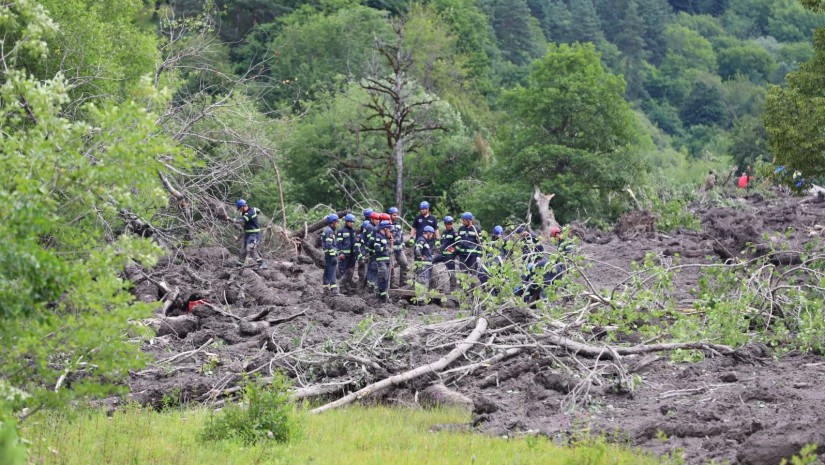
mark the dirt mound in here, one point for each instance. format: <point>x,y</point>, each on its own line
<point>744,407</point>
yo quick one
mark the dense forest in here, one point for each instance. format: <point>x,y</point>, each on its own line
<point>579,97</point>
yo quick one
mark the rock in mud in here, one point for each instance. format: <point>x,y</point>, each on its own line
<point>349,304</point>
<point>769,447</point>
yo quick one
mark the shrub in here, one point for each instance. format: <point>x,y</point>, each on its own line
<point>265,414</point>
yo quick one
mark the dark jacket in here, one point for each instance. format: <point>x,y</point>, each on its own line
<point>328,241</point>
<point>381,247</point>
<point>449,240</point>
<point>421,221</point>
<point>469,240</point>
<point>423,251</point>
<point>250,221</point>
<point>346,239</point>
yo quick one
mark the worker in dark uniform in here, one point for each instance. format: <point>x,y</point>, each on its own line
<point>346,239</point>
<point>363,253</point>
<point>448,246</point>
<point>381,250</point>
<point>330,254</point>
<point>251,233</point>
<point>469,244</point>
<point>398,246</point>
<point>424,219</point>
<point>423,256</point>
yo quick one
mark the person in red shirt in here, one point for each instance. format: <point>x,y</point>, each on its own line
<point>743,181</point>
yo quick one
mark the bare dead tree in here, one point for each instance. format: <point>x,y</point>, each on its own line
<point>395,103</point>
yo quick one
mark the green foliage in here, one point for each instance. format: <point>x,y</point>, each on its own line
<point>265,414</point>
<point>749,60</point>
<point>12,449</point>
<point>99,47</point>
<point>795,115</point>
<point>807,456</point>
<point>573,132</point>
<point>703,105</point>
<point>66,182</point>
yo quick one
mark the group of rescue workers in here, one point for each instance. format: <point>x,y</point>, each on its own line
<point>375,248</point>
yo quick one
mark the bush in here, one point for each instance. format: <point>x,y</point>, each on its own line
<point>264,414</point>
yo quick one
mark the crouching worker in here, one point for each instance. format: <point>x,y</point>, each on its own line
<point>423,254</point>
<point>330,254</point>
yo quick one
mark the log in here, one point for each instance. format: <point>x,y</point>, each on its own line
<point>439,395</point>
<point>438,365</point>
<point>606,352</point>
<point>180,326</point>
<point>313,252</point>
<point>548,218</point>
<point>314,227</point>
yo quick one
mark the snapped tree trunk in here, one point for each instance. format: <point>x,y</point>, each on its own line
<point>548,218</point>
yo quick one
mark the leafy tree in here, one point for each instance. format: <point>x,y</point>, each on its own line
<point>588,27</point>
<point>703,106</point>
<point>99,47</point>
<point>66,189</point>
<point>749,141</point>
<point>302,54</point>
<point>749,60</point>
<point>572,133</point>
<point>518,33</point>
<point>795,115</point>
<point>630,41</point>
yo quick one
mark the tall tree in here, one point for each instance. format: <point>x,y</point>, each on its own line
<point>572,132</point>
<point>587,26</point>
<point>519,34</point>
<point>396,104</point>
<point>631,43</point>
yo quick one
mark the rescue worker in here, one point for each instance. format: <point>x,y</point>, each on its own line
<point>346,243</point>
<point>548,270</point>
<point>423,219</point>
<point>398,246</point>
<point>494,256</point>
<point>251,233</point>
<point>743,181</point>
<point>449,243</point>
<point>363,253</point>
<point>372,269</point>
<point>381,251</point>
<point>469,243</point>
<point>710,181</point>
<point>532,250</point>
<point>423,256</point>
<point>330,254</point>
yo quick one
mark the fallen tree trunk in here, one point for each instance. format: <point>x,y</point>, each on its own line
<point>607,352</point>
<point>438,365</point>
<point>314,227</point>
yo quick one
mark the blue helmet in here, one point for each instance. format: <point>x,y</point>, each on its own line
<point>498,230</point>
<point>384,224</point>
<point>448,219</point>
<point>332,218</point>
<point>366,224</point>
<point>467,216</point>
<point>429,229</point>
<point>424,205</point>
<point>349,217</point>
<point>367,213</point>
<point>392,210</point>
<point>240,203</point>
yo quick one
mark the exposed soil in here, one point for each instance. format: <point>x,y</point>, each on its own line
<point>753,409</point>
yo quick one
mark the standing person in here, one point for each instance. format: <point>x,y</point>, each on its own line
<point>372,268</point>
<point>423,256</point>
<point>743,181</point>
<point>424,219</point>
<point>398,246</point>
<point>346,243</point>
<point>531,249</point>
<point>251,233</point>
<point>363,255</point>
<point>382,248</point>
<point>449,243</point>
<point>469,243</point>
<point>330,254</point>
<point>493,257</point>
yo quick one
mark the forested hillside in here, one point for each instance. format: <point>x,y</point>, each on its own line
<point>694,75</point>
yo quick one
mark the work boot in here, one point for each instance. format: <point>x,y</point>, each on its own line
<point>239,264</point>
<point>333,290</point>
<point>262,264</point>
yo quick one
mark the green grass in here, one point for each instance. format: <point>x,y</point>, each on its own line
<point>361,436</point>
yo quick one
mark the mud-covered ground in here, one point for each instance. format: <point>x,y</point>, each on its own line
<point>749,410</point>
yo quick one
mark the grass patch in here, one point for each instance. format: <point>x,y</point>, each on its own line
<point>363,436</point>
